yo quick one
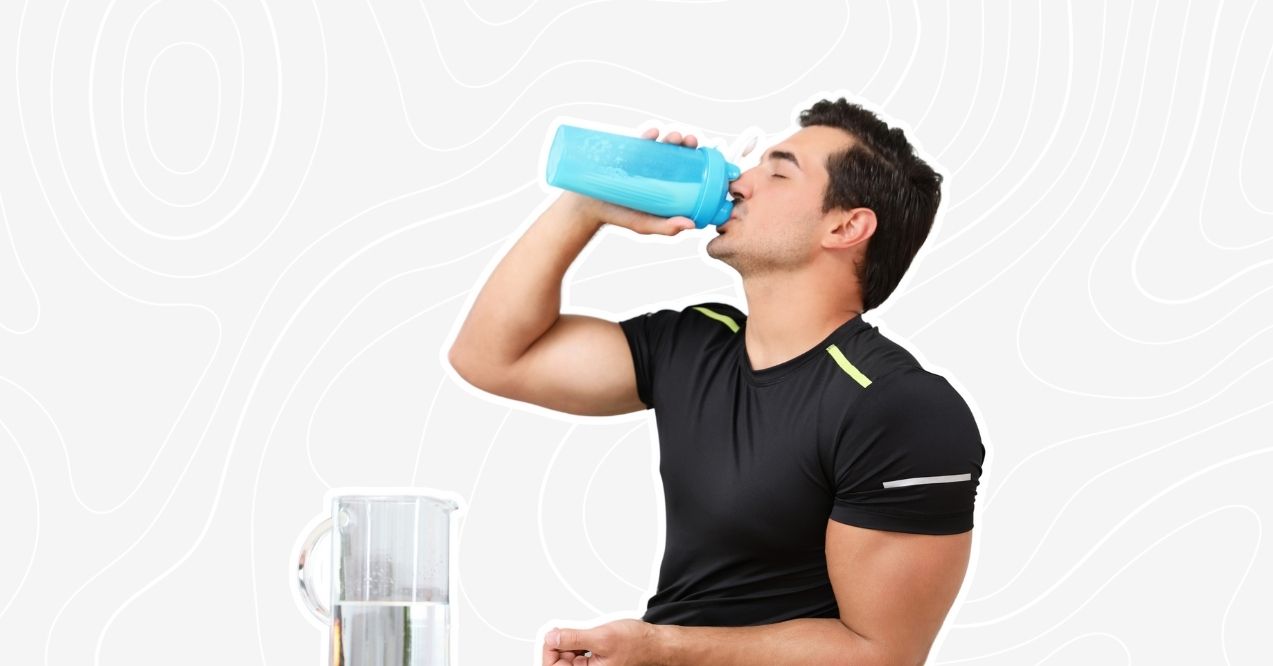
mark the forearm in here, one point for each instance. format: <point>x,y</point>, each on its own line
<point>521,299</point>
<point>825,641</point>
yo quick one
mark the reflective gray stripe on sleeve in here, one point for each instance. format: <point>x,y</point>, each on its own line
<point>921,480</point>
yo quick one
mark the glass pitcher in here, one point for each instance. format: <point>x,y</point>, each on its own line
<point>388,601</point>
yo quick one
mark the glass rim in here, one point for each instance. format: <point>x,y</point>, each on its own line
<point>382,497</point>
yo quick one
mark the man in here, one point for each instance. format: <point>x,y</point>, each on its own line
<point>819,483</point>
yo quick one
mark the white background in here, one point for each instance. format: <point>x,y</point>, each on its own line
<point>236,239</point>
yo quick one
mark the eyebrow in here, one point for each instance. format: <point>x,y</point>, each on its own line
<point>783,155</point>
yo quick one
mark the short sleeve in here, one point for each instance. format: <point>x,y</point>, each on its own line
<point>908,458</point>
<point>649,336</point>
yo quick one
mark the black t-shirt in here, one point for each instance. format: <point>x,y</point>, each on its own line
<point>754,463</point>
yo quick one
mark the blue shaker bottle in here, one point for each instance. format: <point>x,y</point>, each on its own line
<point>650,176</point>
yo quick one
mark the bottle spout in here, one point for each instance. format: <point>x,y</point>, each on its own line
<point>722,214</point>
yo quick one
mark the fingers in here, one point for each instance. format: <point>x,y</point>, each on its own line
<point>555,657</point>
<point>549,656</point>
<point>563,658</point>
<point>643,223</point>
<point>670,226</point>
<point>679,224</point>
<point>688,140</point>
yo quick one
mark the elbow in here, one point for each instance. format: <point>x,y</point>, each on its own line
<point>453,358</point>
<point>883,656</point>
<point>882,659</point>
<point>477,372</point>
<point>880,653</point>
<point>463,365</point>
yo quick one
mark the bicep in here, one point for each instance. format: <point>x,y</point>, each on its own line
<point>582,365</point>
<point>894,589</point>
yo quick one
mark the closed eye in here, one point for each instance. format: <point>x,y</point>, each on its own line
<point>778,176</point>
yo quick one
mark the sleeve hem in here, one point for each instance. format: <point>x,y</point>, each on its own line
<point>643,391</point>
<point>952,524</point>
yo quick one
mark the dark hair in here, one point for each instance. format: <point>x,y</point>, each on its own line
<point>879,171</point>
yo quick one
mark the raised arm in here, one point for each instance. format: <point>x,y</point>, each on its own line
<point>516,343</point>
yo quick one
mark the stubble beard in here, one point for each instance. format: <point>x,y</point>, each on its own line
<point>777,259</point>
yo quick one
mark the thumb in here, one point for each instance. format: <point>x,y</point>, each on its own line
<point>569,639</point>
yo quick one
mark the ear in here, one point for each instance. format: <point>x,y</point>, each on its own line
<point>848,228</point>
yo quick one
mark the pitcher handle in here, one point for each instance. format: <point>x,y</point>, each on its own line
<point>322,612</point>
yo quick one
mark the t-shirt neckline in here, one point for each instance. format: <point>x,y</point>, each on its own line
<point>775,373</point>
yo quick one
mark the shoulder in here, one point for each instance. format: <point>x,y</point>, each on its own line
<point>915,384</point>
<point>920,406</point>
<point>910,388</point>
<point>710,317</point>
<point>721,314</point>
<point>870,357</point>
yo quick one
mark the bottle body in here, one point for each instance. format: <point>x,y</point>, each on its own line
<point>650,176</point>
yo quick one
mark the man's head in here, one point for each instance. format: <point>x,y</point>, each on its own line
<point>845,191</point>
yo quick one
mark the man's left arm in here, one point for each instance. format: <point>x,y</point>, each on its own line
<point>894,590</point>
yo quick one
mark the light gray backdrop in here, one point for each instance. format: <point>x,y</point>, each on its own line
<point>238,237</point>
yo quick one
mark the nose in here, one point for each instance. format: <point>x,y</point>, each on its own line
<point>740,188</point>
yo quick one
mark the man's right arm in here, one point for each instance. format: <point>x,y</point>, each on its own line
<point>516,343</point>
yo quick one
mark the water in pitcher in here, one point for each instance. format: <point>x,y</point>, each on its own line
<point>390,633</point>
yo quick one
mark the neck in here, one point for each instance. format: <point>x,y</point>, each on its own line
<point>787,314</point>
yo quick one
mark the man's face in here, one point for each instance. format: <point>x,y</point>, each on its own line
<point>778,205</point>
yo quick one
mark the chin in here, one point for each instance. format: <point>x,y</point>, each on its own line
<point>714,250</point>
<point>720,254</point>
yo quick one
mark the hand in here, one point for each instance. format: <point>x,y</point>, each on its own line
<point>622,216</point>
<point>618,643</point>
